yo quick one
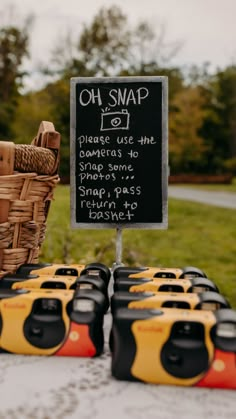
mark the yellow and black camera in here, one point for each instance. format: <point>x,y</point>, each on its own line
<point>158,272</point>
<point>174,346</point>
<point>52,322</point>
<point>191,285</point>
<point>91,280</point>
<point>208,300</point>
<point>65,270</point>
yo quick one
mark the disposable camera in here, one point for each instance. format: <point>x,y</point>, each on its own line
<point>191,285</point>
<point>175,347</point>
<point>91,280</point>
<point>52,322</point>
<point>65,270</point>
<point>158,272</point>
<point>208,300</point>
<point>115,120</point>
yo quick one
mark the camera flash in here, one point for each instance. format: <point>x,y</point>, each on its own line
<point>199,290</point>
<point>93,272</point>
<point>85,286</point>
<point>83,305</point>
<point>210,306</point>
<point>226,330</point>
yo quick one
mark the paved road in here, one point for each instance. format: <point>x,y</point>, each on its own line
<point>219,199</point>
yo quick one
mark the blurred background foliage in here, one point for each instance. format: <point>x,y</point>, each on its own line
<point>202,105</point>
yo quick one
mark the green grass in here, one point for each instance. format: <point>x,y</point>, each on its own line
<point>198,235</point>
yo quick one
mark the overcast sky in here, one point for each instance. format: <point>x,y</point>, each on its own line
<point>206,28</point>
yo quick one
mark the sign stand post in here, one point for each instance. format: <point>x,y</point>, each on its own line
<point>118,261</point>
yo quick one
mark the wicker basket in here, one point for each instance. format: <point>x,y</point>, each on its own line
<point>28,176</point>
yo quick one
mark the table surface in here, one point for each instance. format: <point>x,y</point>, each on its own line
<point>34,387</point>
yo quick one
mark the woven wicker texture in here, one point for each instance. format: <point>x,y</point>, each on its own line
<point>25,196</point>
<point>30,158</point>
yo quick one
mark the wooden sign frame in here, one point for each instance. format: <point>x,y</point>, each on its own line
<point>77,84</point>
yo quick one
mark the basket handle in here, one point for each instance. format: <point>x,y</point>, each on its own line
<point>41,156</point>
<point>48,137</point>
<point>7,157</point>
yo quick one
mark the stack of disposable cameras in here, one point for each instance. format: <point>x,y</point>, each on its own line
<point>172,326</point>
<point>49,309</point>
<point>169,326</point>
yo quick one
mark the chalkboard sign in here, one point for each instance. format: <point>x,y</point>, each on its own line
<point>119,152</point>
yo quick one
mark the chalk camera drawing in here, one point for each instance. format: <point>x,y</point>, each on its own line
<point>115,120</point>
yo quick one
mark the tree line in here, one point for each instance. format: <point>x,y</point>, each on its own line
<point>202,105</point>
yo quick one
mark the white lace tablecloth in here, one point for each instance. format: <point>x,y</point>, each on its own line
<point>82,388</point>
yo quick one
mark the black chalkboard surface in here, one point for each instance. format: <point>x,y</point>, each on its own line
<point>119,157</point>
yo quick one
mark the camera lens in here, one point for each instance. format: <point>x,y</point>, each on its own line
<point>36,331</point>
<point>115,122</point>
<point>185,343</point>
<point>174,358</point>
